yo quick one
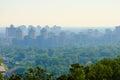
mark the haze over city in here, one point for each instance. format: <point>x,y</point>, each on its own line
<point>60,12</point>
<point>59,40</point>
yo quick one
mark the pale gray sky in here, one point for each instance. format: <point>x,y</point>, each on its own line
<point>60,12</point>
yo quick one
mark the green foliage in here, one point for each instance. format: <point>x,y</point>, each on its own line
<point>32,74</point>
<point>76,73</point>
<point>0,62</point>
<point>99,72</point>
<point>105,69</point>
<point>57,60</point>
<point>1,76</point>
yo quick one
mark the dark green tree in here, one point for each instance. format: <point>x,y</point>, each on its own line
<point>76,73</point>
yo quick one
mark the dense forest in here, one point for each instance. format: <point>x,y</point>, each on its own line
<point>54,60</point>
<point>105,69</point>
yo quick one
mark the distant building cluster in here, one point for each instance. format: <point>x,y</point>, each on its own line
<point>56,37</point>
<point>31,31</point>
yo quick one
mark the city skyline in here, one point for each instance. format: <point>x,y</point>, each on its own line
<point>63,12</point>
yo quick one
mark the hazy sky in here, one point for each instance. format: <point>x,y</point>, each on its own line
<point>60,12</point>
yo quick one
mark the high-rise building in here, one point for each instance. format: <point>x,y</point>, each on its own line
<point>32,33</point>
<point>11,32</point>
<point>19,34</point>
<point>44,33</point>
